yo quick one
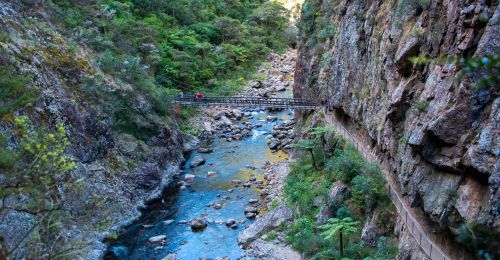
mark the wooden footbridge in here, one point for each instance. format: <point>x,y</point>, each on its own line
<point>246,101</point>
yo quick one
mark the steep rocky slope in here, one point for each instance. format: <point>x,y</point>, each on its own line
<point>438,132</point>
<point>117,171</point>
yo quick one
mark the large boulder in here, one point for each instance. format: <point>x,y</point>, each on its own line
<point>198,224</point>
<point>171,257</point>
<point>197,161</point>
<point>157,239</point>
<point>336,196</point>
<point>267,222</point>
<point>267,250</point>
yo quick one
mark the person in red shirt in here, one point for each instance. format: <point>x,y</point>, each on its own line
<point>198,96</point>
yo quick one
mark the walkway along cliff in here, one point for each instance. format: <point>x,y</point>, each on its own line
<point>380,65</point>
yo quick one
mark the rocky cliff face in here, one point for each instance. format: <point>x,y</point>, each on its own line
<point>439,133</point>
<point>118,172</point>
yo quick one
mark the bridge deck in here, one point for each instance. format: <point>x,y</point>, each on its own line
<point>256,102</point>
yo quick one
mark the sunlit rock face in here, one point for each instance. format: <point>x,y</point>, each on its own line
<point>440,133</point>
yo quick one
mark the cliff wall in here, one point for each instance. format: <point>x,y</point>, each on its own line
<point>116,170</point>
<point>437,129</point>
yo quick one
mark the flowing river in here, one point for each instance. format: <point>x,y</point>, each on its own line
<point>231,161</point>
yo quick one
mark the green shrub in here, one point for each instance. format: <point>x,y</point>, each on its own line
<point>326,33</point>
<point>303,237</point>
<point>36,174</point>
<point>14,93</point>
<point>385,249</point>
<point>345,165</point>
<point>368,189</point>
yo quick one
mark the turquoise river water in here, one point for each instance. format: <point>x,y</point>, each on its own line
<point>229,160</point>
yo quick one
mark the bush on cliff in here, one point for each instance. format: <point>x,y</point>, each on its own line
<point>34,179</point>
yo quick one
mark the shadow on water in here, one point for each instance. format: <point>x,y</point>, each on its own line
<point>231,161</point>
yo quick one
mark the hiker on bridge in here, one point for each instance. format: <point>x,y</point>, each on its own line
<point>198,96</point>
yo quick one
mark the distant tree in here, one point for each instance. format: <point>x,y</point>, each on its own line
<point>309,146</point>
<point>342,227</point>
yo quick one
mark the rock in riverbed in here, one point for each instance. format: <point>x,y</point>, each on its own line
<point>230,222</point>
<point>264,224</point>
<point>197,161</point>
<point>267,250</point>
<point>205,150</point>
<point>171,257</point>
<point>198,224</point>
<point>157,239</point>
<point>189,177</point>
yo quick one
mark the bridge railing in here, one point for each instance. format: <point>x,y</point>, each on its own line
<point>427,245</point>
<point>243,101</point>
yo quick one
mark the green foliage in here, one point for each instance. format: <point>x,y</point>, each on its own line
<point>36,174</point>
<point>299,186</point>
<point>420,60</point>
<point>188,129</point>
<point>307,145</point>
<point>368,189</point>
<point>304,238</point>
<point>305,184</point>
<point>385,249</point>
<point>160,46</point>
<point>183,44</point>
<point>14,93</point>
<point>336,226</point>
<point>345,165</point>
<point>326,33</point>
<point>486,69</point>
<point>420,106</point>
<point>343,227</point>
<point>4,37</point>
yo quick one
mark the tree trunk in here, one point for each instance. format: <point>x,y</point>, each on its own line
<point>312,156</point>
<point>341,246</point>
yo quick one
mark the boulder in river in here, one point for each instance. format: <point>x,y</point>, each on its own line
<point>189,177</point>
<point>197,161</point>
<point>211,174</point>
<point>230,222</point>
<point>171,257</point>
<point>168,222</point>
<point>264,224</point>
<point>273,143</point>
<point>253,201</point>
<point>226,121</point>
<point>272,118</point>
<point>251,209</point>
<point>250,215</point>
<point>157,239</point>
<point>198,224</point>
<point>205,150</point>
